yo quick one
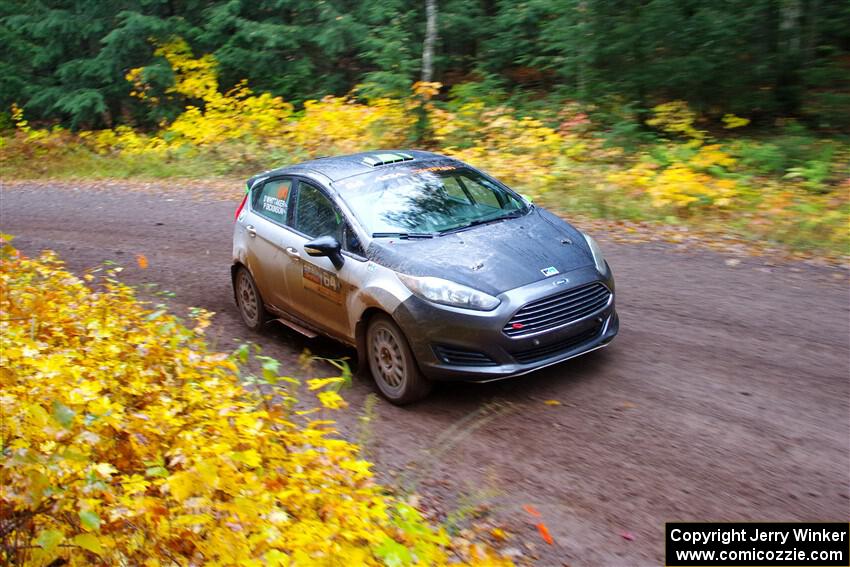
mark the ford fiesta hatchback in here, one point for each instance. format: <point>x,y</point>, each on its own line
<point>432,269</point>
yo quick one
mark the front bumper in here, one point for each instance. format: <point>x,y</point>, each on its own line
<point>460,344</point>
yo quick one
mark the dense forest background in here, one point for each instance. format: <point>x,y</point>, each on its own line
<point>65,60</point>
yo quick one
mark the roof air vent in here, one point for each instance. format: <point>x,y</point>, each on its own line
<point>385,159</point>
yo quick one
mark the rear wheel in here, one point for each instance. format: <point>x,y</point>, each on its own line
<point>392,364</point>
<point>248,300</point>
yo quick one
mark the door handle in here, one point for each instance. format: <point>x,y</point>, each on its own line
<point>292,253</point>
<point>252,232</point>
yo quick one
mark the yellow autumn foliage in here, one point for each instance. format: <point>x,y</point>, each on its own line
<point>33,142</point>
<point>336,125</point>
<point>676,118</point>
<point>681,185</point>
<point>685,183</point>
<point>122,139</point>
<point>236,115</point>
<point>520,151</point>
<point>125,440</point>
<point>211,117</point>
<point>256,122</point>
<point>195,78</point>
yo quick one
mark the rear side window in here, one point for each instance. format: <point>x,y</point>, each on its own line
<point>481,191</point>
<point>315,215</point>
<point>272,199</point>
<point>455,190</point>
<point>470,191</point>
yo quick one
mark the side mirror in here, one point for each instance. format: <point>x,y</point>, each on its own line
<point>326,246</point>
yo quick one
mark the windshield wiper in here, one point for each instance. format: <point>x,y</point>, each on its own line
<point>478,222</point>
<point>402,235</point>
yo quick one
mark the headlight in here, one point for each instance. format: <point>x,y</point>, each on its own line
<point>598,258</point>
<point>449,293</point>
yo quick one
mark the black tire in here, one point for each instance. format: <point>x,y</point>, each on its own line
<point>392,364</point>
<point>248,300</point>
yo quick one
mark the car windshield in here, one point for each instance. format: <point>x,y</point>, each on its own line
<point>423,201</point>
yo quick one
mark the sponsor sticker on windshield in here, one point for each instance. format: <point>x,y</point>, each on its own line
<point>434,168</point>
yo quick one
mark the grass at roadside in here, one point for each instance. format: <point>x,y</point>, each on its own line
<point>763,217</point>
<point>74,161</point>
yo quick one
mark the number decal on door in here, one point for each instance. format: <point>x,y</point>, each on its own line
<point>321,281</point>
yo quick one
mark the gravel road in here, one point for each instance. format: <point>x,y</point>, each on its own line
<point>725,397</point>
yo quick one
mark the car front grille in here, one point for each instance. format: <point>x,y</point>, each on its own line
<point>558,310</point>
<point>545,351</point>
<point>462,357</point>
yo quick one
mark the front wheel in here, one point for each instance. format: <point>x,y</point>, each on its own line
<point>248,300</point>
<point>392,364</point>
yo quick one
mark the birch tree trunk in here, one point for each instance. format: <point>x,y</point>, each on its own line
<point>430,40</point>
<point>790,25</point>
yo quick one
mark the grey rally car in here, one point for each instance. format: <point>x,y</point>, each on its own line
<point>430,268</point>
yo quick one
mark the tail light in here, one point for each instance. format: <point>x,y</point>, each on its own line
<point>241,206</point>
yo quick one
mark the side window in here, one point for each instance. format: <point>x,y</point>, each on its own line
<point>454,190</point>
<point>482,194</point>
<point>315,215</point>
<point>271,200</point>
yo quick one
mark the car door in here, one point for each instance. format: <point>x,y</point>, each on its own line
<point>319,291</point>
<point>265,226</point>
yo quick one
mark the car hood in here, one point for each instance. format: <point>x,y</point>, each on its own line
<point>493,258</point>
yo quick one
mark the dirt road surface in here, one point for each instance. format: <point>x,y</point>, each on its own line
<point>725,397</point>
